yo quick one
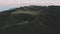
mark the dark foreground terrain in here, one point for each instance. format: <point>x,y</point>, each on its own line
<point>27,23</point>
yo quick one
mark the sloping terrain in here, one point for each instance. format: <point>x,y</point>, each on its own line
<point>27,19</point>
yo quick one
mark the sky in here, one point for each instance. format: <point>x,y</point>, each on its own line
<point>8,4</point>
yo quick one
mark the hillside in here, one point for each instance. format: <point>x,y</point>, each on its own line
<point>30,19</point>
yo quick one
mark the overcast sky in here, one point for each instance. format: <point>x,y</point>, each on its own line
<point>15,3</point>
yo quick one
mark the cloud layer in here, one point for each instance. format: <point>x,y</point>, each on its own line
<point>28,2</point>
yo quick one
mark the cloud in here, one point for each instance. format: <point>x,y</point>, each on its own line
<point>28,2</point>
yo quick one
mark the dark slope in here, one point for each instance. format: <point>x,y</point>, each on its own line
<point>37,24</point>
